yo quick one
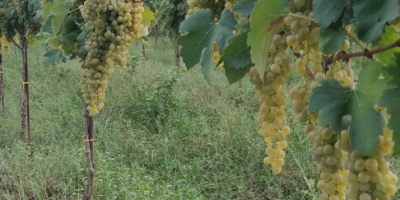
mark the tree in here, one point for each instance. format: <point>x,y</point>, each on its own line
<point>21,18</point>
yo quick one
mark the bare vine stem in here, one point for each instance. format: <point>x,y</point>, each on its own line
<point>15,43</point>
<point>366,53</point>
<point>301,16</point>
<point>355,40</point>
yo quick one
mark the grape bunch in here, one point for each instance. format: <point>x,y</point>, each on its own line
<point>329,155</point>
<point>195,5</point>
<point>342,73</point>
<point>370,177</point>
<point>229,4</point>
<point>217,6</point>
<point>114,27</point>
<point>272,97</point>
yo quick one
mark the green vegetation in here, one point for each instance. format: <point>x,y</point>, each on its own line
<point>203,144</point>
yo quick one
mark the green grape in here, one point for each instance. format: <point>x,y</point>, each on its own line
<point>299,3</point>
<point>113,28</point>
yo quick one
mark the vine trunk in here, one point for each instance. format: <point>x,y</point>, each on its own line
<point>25,115</point>
<point>1,86</point>
<point>88,125</point>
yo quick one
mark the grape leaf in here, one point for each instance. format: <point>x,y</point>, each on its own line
<point>393,70</point>
<point>147,16</point>
<point>264,21</point>
<point>47,9</point>
<point>329,99</point>
<point>370,18</point>
<point>46,27</point>
<point>244,7</point>
<point>334,102</point>
<point>199,33</point>
<point>236,57</point>
<point>36,4</point>
<point>331,40</point>
<point>68,43</point>
<point>60,12</point>
<point>327,11</point>
<point>388,37</point>
<point>53,56</point>
<point>390,99</point>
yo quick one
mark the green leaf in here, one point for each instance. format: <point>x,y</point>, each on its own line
<point>47,27</point>
<point>244,7</point>
<point>9,12</point>
<point>57,22</point>
<point>334,102</point>
<point>236,58</point>
<point>370,18</point>
<point>331,40</point>
<point>47,9</point>
<point>388,37</point>
<point>327,11</point>
<point>264,22</point>
<point>68,43</point>
<point>59,11</point>
<point>53,56</point>
<point>199,33</point>
<point>36,4</point>
<point>366,123</point>
<point>393,71</point>
<point>330,100</point>
<point>235,74</point>
<point>390,99</point>
<point>147,16</point>
<point>32,41</point>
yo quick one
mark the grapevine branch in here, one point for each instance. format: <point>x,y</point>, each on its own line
<point>366,53</point>
<point>15,43</point>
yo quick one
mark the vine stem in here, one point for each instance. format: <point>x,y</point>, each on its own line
<point>355,40</point>
<point>15,43</point>
<point>301,16</point>
<point>366,53</point>
<point>73,10</point>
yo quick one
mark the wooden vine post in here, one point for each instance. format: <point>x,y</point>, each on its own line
<point>25,114</point>
<point>88,126</point>
<point>1,86</point>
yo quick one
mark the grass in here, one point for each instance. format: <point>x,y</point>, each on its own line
<point>154,139</point>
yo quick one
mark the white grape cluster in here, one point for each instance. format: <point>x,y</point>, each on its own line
<point>330,156</point>
<point>114,27</point>
<point>341,72</point>
<point>370,178</point>
<point>195,5</point>
<point>272,97</point>
<point>304,42</point>
<point>229,4</point>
